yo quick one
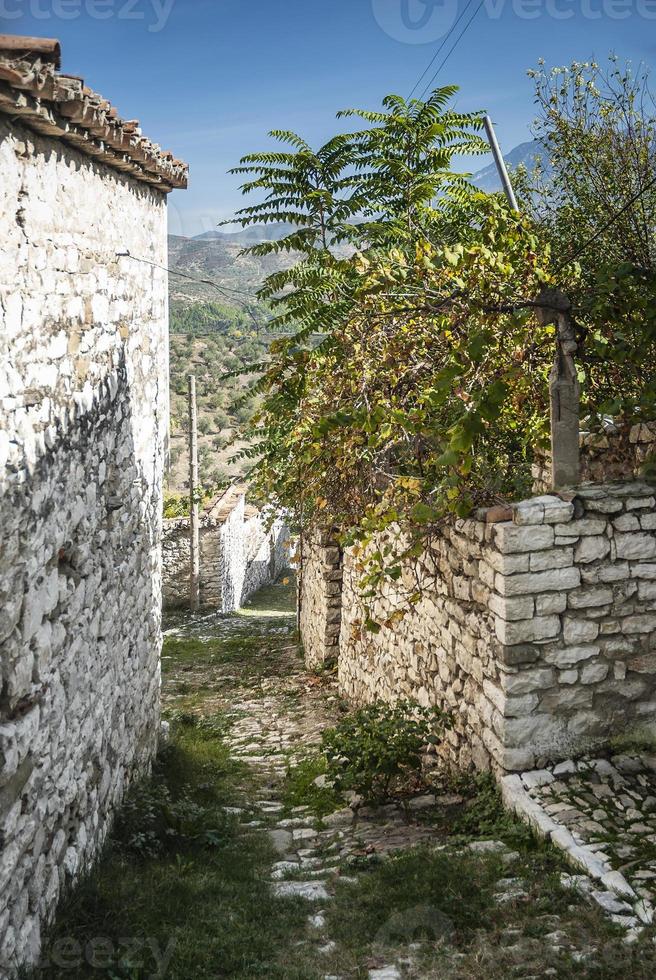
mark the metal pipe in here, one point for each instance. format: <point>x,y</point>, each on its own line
<point>501,166</point>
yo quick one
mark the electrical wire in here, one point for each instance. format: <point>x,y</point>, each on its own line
<point>452,48</point>
<point>435,56</point>
<point>184,275</point>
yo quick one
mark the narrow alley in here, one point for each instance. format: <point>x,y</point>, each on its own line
<point>238,858</point>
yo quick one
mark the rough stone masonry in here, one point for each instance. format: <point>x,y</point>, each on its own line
<point>536,626</point>
<point>83,429</point>
<point>240,552</point>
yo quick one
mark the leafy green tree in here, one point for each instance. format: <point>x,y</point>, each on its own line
<point>596,210</point>
<point>405,166</point>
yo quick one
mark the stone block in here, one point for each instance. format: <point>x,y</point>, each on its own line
<point>645,570</point>
<point>635,547</point>
<point>640,623</point>
<point>552,602</point>
<point>578,630</point>
<point>528,681</point>
<point>604,505</point>
<point>547,509</point>
<point>593,548</point>
<point>511,538</point>
<point>527,630</point>
<point>639,503</point>
<point>626,522</point>
<point>582,527</point>
<point>592,673</point>
<point>518,607</point>
<point>587,597</point>
<point>514,656</point>
<point>541,561</point>
<point>617,571</point>
<point>569,656</point>
<point>519,707</point>
<point>506,564</point>
<point>554,580</point>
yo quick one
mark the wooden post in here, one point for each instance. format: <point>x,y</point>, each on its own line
<point>194,534</point>
<point>564,392</point>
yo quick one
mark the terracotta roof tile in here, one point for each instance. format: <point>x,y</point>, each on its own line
<point>62,106</point>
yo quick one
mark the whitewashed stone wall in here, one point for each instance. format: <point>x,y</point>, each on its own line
<point>83,420</point>
<point>267,551</point>
<point>536,628</point>
<point>239,554</point>
<point>319,587</point>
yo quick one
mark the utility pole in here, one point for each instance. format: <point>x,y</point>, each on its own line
<point>194,534</point>
<point>501,166</point>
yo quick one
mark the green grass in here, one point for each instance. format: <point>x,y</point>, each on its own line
<point>177,877</point>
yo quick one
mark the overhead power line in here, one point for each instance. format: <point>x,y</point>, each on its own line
<point>452,48</point>
<point>184,275</point>
<point>437,53</point>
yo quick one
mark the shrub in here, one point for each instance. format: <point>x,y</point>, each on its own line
<point>379,745</point>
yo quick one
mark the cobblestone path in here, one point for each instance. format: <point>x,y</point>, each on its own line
<point>387,890</point>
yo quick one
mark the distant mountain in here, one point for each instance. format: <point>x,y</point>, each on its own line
<point>218,259</point>
<point>528,154</point>
<point>248,236</point>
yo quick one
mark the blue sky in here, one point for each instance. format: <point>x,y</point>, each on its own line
<point>209,78</point>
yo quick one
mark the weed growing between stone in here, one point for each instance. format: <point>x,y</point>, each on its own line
<point>378,748</point>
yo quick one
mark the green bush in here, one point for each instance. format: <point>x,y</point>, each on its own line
<point>380,745</point>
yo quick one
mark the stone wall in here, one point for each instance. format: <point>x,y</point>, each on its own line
<point>618,452</point>
<point>267,551</point>
<point>83,422</point>
<point>239,553</point>
<point>320,598</point>
<point>536,627</point>
<point>442,652</point>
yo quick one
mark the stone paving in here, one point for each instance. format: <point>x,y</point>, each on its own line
<point>603,809</point>
<point>602,814</point>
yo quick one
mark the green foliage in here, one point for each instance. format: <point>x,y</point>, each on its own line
<point>484,816</point>
<point>364,189</point>
<point>404,161</point>
<point>301,788</point>
<point>153,821</point>
<point>416,387</point>
<point>599,128</point>
<point>380,744</point>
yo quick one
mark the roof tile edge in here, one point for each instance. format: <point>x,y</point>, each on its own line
<point>61,106</point>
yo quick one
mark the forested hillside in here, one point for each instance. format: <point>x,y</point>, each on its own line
<point>211,339</point>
